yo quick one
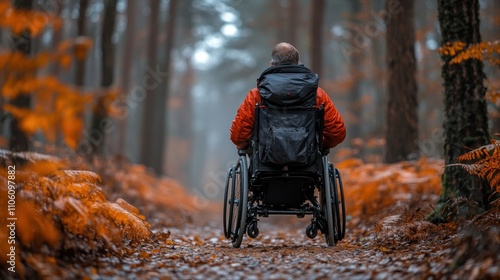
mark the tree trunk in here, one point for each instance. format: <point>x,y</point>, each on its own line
<point>402,118</point>
<point>163,98</point>
<point>107,44</point>
<point>154,124</point>
<point>100,122</point>
<point>355,71</point>
<point>57,33</point>
<point>278,20</point>
<point>293,21</point>
<point>465,116</point>
<point>180,138</point>
<point>496,106</point>
<point>316,44</point>
<point>127,70</point>
<point>148,155</point>
<point>19,141</point>
<point>80,64</point>
<point>378,77</point>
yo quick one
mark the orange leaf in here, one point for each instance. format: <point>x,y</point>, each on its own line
<point>65,60</point>
<point>82,47</point>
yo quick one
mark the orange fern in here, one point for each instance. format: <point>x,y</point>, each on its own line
<point>373,188</point>
<point>483,162</point>
<point>58,206</point>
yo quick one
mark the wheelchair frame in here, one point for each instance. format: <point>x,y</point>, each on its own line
<point>246,194</point>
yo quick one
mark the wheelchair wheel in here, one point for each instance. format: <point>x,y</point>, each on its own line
<point>339,190</point>
<point>235,202</point>
<point>227,205</point>
<point>334,186</point>
<point>327,205</point>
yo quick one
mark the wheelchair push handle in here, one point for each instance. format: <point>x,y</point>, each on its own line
<point>247,151</point>
<point>242,152</point>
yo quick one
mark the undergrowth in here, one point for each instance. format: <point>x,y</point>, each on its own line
<point>390,203</point>
<point>483,162</point>
<point>59,211</point>
<point>161,199</point>
<point>373,191</point>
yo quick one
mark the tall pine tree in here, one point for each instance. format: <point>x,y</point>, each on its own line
<point>19,140</point>
<point>402,119</point>
<point>465,116</point>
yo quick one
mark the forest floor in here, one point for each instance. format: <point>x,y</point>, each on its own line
<point>387,235</point>
<point>282,251</point>
<point>396,247</point>
<point>393,248</point>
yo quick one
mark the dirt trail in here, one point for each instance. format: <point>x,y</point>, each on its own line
<point>281,251</point>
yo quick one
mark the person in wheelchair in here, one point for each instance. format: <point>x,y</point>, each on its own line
<point>287,82</point>
<point>285,126</point>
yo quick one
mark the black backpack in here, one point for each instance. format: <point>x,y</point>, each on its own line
<point>288,118</point>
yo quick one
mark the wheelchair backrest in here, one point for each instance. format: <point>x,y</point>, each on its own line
<point>287,136</point>
<point>288,124</point>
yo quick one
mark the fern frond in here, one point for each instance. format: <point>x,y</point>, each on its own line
<point>66,177</point>
<point>481,152</point>
<point>474,168</point>
<point>23,158</point>
<point>483,162</point>
<point>127,224</point>
<point>36,157</point>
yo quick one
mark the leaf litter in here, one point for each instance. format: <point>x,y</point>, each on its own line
<point>112,219</point>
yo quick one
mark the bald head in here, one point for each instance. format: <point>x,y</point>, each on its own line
<point>284,53</point>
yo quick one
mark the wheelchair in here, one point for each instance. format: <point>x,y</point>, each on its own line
<point>302,183</point>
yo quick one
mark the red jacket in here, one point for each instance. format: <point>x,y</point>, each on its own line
<point>242,128</point>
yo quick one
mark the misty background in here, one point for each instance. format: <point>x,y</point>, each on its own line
<point>205,55</point>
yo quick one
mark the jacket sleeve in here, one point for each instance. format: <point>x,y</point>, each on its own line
<point>242,127</point>
<point>334,131</point>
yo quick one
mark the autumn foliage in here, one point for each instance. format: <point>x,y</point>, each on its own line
<point>65,210</point>
<point>67,213</point>
<point>389,204</point>
<point>32,23</point>
<point>58,108</point>
<point>483,162</point>
<point>483,51</point>
<point>371,189</point>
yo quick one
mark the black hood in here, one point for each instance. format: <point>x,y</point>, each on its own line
<point>288,85</point>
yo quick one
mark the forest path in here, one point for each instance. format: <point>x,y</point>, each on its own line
<point>281,251</point>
